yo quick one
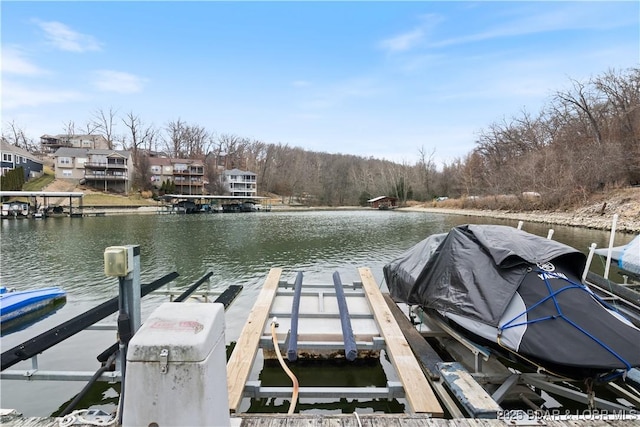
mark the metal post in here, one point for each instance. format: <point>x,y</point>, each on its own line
<point>129,317</point>
<point>592,249</point>
<point>130,291</point>
<point>611,239</point>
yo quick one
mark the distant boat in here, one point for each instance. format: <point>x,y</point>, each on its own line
<point>519,294</point>
<point>15,210</point>
<point>19,309</point>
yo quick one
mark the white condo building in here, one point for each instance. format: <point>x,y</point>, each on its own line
<point>240,183</point>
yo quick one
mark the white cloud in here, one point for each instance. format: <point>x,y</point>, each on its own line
<point>15,95</point>
<point>301,83</point>
<point>527,20</point>
<point>14,62</point>
<point>64,38</point>
<point>117,81</point>
<point>413,38</point>
<point>403,42</point>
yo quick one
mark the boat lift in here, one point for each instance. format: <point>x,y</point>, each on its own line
<point>125,265</point>
<point>511,383</point>
<point>317,321</point>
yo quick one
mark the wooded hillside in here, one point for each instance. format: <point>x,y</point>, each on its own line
<point>585,140</point>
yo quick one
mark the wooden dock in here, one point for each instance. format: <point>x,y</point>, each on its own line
<point>360,420</point>
<point>473,390</point>
<point>244,354</point>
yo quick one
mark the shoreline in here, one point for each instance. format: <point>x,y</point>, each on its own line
<point>629,224</point>
<point>625,224</point>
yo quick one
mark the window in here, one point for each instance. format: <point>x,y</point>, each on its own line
<point>24,160</point>
<point>66,172</point>
<point>7,157</point>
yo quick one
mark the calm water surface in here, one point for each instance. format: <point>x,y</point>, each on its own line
<point>236,248</point>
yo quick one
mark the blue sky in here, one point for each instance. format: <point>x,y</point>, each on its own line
<point>382,79</point>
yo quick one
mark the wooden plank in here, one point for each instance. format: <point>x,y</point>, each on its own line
<point>469,393</point>
<point>427,356</point>
<point>244,354</point>
<point>418,392</point>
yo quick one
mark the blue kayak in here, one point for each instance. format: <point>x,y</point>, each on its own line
<point>17,305</point>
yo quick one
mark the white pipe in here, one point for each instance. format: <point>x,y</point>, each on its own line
<point>611,238</point>
<point>592,250</point>
<point>550,234</point>
<point>520,224</point>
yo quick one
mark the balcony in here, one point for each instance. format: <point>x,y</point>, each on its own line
<point>105,177</point>
<point>104,166</point>
<point>187,172</point>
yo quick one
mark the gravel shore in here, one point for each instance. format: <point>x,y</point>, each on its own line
<point>624,224</point>
<point>597,213</point>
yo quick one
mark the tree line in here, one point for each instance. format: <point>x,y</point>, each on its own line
<point>584,140</point>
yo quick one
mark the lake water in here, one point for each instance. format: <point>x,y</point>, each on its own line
<point>236,248</point>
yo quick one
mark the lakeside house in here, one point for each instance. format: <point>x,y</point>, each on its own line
<point>105,170</point>
<point>51,143</point>
<point>14,157</point>
<point>186,174</point>
<point>240,183</point>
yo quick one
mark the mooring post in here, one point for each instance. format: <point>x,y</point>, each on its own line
<point>124,262</point>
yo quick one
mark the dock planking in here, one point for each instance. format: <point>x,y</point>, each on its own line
<point>418,391</point>
<point>427,356</point>
<point>468,392</point>
<point>244,354</point>
<point>351,420</point>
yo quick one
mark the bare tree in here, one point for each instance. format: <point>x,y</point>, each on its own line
<point>187,141</point>
<point>104,122</point>
<point>70,128</point>
<point>623,96</point>
<point>15,135</point>
<point>585,103</point>
<point>426,169</point>
<point>139,141</point>
<point>173,140</point>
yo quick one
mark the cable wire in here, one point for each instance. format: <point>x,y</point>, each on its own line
<point>294,380</point>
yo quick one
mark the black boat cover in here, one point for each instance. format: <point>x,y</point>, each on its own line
<point>519,290</point>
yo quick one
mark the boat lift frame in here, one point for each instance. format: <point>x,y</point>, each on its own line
<point>30,349</point>
<point>412,385</point>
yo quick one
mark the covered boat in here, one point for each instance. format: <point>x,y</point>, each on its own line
<point>520,294</point>
<point>626,256</point>
<point>18,308</point>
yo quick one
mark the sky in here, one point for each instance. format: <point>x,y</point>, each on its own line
<point>384,79</point>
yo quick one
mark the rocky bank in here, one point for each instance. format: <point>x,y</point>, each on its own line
<point>598,213</point>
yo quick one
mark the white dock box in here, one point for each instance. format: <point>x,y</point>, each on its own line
<point>176,373</point>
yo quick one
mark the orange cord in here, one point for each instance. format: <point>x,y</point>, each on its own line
<point>294,380</point>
